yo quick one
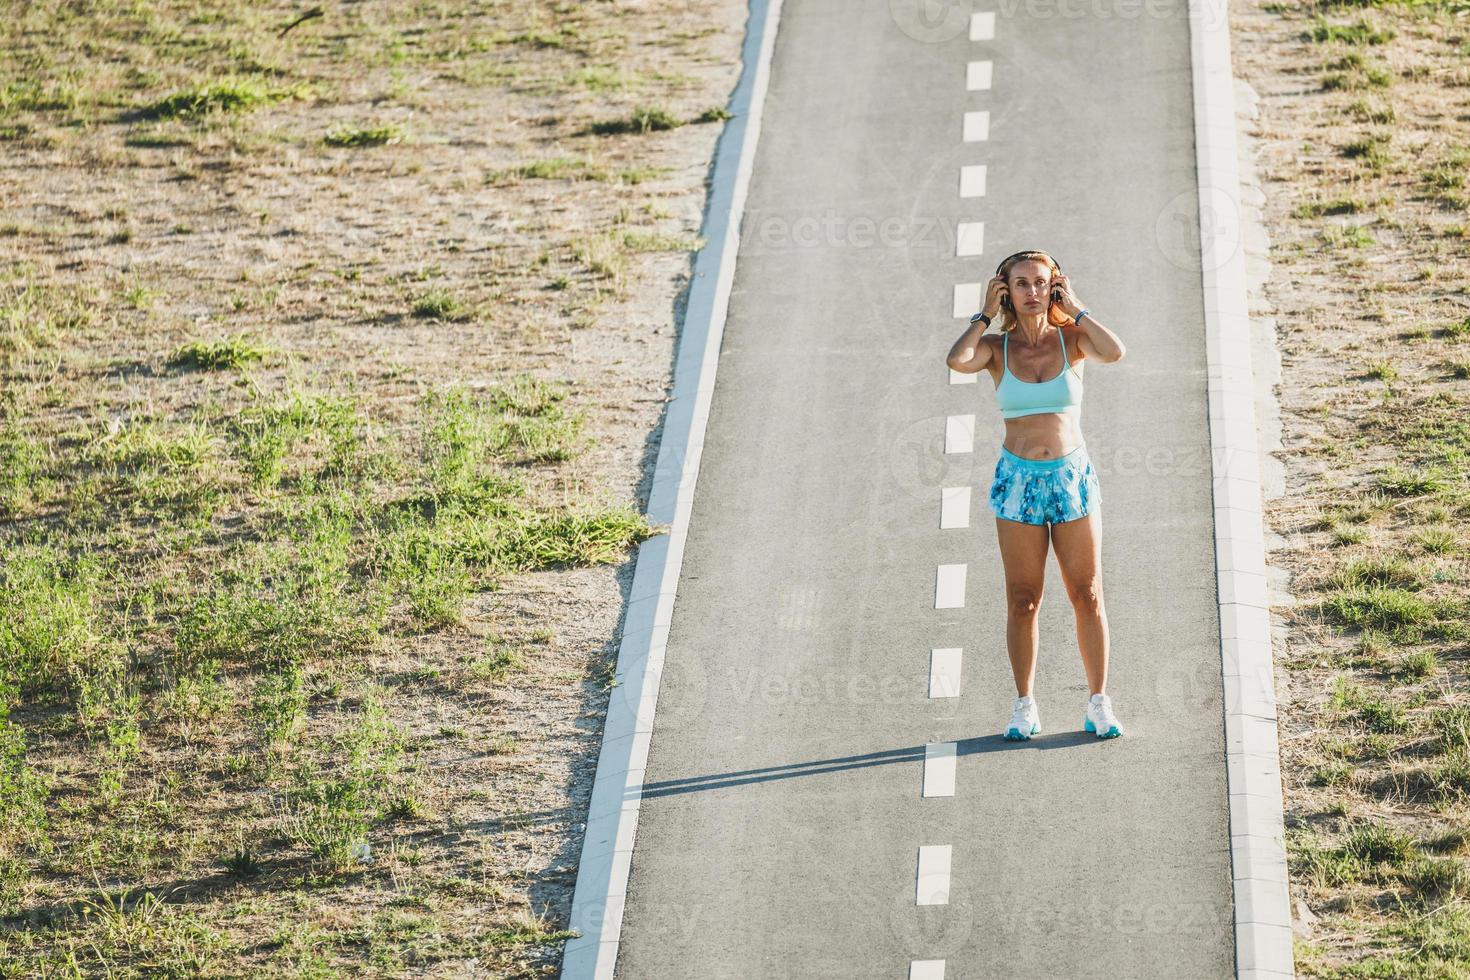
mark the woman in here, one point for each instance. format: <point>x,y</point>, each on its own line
<point>1044,478</point>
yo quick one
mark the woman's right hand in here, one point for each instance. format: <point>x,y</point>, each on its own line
<point>996,289</point>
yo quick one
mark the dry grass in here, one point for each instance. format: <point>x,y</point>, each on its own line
<point>323,424</point>
<point>1362,155</point>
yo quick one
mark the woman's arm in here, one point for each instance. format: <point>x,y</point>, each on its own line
<point>970,354</point>
<point>1093,339</point>
<point>1097,341</point>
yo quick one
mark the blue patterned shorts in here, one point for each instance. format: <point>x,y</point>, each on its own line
<point>1041,491</point>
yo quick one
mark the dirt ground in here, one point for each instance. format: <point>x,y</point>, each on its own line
<point>1368,245</point>
<point>172,230</point>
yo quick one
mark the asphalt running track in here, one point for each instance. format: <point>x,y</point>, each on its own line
<point>826,791</point>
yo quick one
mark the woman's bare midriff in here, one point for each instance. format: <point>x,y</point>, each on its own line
<point>1045,435</point>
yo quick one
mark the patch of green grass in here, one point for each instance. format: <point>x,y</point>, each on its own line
<point>1322,866</point>
<point>326,427</point>
<point>1338,772</point>
<point>278,705</point>
<point>604,255</point>
<point>1364,111</point>
<point>1438,541</point>
<point>639,175</point>
<point>1372,151</point>
<point>639,241</point>
<point>1380,844</point>
<point>1356,77</point>
<point>420,562</point>
<point>1445,177</point>
<point>25,461</point>
<point>229,352</point>
<point>552,168</point>
<point>498,662</point>
<point>1418,665</point>
<point>153,465</point>
<point>1377,571</point>
<point>1434,880</point>
<point>529,931</point>
<point>644,119</point>
<point>560,36</point>
<point>126,935</point>
<point>1377,714</point>
<point>1436,941</point>
<point>1323,31</point>
<point>351,136</point>
<point>1382,370</point>
<point>1403,481</point>
<point>1383,716</point>
<point>1335,205</point>
<point>1349,236</point>
<point>330,812</point>
<point>441,304</point>
<point>233,94</point>
<point>34,316</point>
<point>1451,728</point>
<point>1379,607</point>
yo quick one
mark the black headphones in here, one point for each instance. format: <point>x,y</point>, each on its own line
<point>1005,300</point>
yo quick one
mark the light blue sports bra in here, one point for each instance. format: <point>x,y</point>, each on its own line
<point>1016,397</point>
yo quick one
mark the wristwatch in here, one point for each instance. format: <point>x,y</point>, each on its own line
<point>980,316</point>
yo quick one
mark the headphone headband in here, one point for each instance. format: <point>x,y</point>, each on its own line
<point>1028,251</point>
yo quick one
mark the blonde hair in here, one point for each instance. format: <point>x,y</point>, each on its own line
<point>1006,319</point>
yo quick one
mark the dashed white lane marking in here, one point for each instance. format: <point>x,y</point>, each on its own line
<point>944,672</point>
<point>949,587</point>
<point>959,434</point>
<point>977,126</point>
<point>967,298</point>
<point>933,877</point>
<point>954,507</point>
<point>926,969</point>
<point>972,180</point>
<point>798,610</point>
<point>941,758</point>
<point>969,238</point>
<point>939,768</point>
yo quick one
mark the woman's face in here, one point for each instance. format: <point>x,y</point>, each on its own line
<point>1030,282</point>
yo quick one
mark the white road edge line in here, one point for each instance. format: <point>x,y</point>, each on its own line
<point>612,817</point>
<point>1262,911</point>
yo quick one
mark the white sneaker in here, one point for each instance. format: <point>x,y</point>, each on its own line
<point>1025,721</point>
<point>1100,718</point>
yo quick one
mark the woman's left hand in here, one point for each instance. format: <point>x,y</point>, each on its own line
<point>1069,302</point>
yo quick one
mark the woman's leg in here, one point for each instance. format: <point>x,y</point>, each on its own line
<point>1023,554</point>
<point>1078,544</point>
